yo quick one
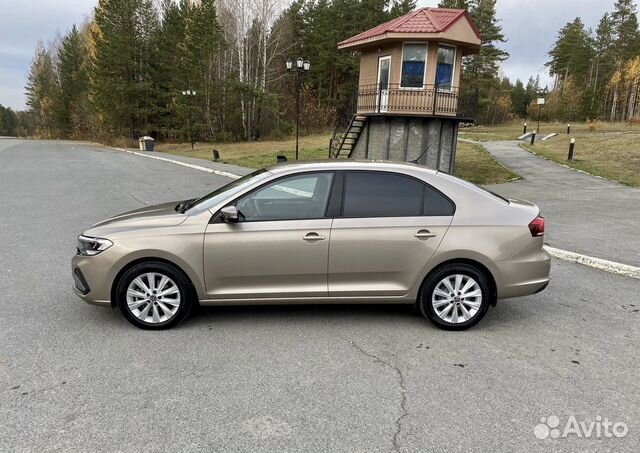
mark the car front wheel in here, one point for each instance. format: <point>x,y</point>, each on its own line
<point>154,295</point>
<point>455,297</point>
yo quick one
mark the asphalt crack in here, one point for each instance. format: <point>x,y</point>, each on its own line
<point>138,199</point>
<point>403,392</point>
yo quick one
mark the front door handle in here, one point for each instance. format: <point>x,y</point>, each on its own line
<point>424,234</point>
<point>312,237</point>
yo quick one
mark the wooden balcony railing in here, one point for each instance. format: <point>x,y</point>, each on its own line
<point>430,100</point>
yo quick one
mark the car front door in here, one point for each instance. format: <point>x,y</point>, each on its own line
<point>279,246</point>
<point>390,227</point>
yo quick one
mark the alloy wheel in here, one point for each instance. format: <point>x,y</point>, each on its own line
<point>456,298</point>
<point>153,297</point>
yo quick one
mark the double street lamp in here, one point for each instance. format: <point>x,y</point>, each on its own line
<point>299,67</point>
<point>188,94</point>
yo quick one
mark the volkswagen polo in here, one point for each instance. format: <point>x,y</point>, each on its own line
<point>319,232</point>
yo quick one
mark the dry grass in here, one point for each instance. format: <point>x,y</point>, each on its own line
<point>613,155</point>
<point>473,163</point>
<point>255,154</point>
<point>512,131</point>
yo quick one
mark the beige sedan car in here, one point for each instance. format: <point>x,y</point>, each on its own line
<point>319,232</point>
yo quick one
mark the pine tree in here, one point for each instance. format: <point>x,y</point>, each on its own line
<point>571,54</point>
<point>202,44</point>
<point>169,73</point>
<point>72,100</point>
<point>457,4</point>
<point>625,26</point>
<point>8,121</point>
<point>401,7</point>
<point>122,82</point>
<point>41,91</point>
<point>480,71</point>
<point>483,67</point>
<point>519,99</point>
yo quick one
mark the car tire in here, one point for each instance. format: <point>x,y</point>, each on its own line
<point>154,295</point>
<point>455,296</point>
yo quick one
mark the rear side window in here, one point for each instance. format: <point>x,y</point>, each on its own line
<point>373,194</point>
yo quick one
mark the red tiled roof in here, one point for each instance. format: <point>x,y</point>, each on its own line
<point>423,20</point>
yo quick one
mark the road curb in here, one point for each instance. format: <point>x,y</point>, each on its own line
<point>595,263</point>
<point>183,164</point>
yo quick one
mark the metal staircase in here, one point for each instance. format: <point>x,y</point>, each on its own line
<point>345,139</point>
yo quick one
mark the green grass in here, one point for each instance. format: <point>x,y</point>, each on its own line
<point>473,163</point>
<point>476,165</point>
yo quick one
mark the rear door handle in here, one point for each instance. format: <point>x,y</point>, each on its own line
<point>424,234</point>
<point>312,237</point>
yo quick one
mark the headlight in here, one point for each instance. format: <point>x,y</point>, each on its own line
<point>88,246</point>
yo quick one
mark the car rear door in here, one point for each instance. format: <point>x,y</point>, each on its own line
<point>389,228</point>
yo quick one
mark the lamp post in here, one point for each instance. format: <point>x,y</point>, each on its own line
<point>188,94</point>
<point>540,102</point>
<point>301,66</point>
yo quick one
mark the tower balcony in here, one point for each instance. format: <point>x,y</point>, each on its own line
<point>431,100</point>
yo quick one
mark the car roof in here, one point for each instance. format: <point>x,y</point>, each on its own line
<point>348,164</point>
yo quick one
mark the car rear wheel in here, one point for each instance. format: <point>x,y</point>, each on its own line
<point>455,297</point>
<point>154,295</point>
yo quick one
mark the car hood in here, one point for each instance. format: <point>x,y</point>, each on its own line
<point>161,215</point>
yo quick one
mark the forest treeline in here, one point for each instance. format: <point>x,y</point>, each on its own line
<point>597,72</point>
<point>124,72</point>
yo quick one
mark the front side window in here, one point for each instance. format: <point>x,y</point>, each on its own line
<point>414,57</point>
<point>444,70</point>
<point>291,198</point>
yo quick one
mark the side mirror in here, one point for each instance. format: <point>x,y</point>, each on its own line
<point>229,214</point>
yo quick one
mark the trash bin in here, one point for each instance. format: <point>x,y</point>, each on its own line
<point>146,143</point>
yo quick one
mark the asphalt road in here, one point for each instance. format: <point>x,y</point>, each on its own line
<point>585,214</point>
<point>75,377</point>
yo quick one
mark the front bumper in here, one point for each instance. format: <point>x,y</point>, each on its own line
<point>90,278</point>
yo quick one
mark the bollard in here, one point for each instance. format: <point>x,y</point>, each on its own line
<point>568,129</point>
<point>524,129</point>
<point>533,136</point>
<point>281,159</point>
<point>572,145</point>
<point>215,155</point>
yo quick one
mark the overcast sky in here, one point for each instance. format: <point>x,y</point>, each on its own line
<point>529,25</point>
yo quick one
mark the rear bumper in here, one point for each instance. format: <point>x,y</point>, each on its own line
<point>525,274</point>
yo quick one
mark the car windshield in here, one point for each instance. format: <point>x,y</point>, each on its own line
<point>226,191</point>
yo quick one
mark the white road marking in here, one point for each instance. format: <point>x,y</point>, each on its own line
<point>183,164</point>
<point>291,190</point>
<point>596,263</point>
<point>565,255</point>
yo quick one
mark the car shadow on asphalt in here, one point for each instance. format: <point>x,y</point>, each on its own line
<point>376,315</point>
<point>510,313</point>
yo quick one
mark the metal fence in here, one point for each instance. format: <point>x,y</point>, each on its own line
<point>429,100</point>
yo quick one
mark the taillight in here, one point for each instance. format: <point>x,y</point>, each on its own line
<point>537,226</point>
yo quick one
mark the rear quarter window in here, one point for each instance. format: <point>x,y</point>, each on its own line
<point>436,204</point>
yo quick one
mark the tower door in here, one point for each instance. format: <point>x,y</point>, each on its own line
<point>384,73</point>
